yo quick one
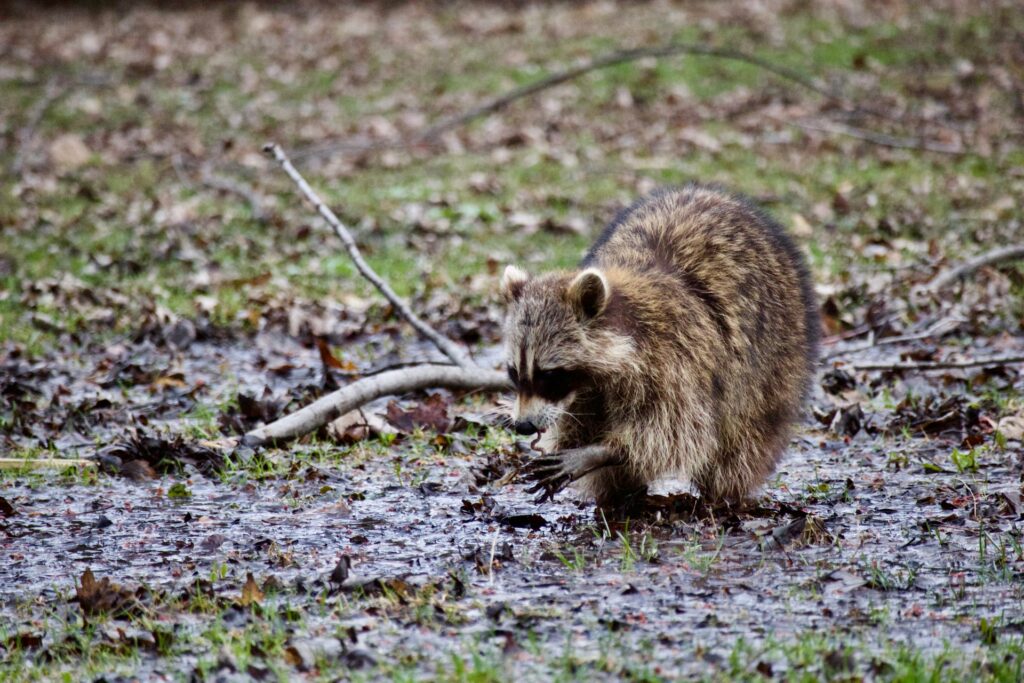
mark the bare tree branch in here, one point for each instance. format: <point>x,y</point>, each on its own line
<point>874,137</point>
<point>445,345</point>
<point>991,361</point>
<point>362,391</point>
<point>230,186</point>
<point>944,279</point>
<point>612,59</point>
<point>941,328</point>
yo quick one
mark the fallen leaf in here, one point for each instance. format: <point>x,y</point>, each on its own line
<point>1012,427</point>
<point>69,152</point>
<point>430,414</point>
<point>251,593</point>
<point>103,596</point>
<point>330,361</point>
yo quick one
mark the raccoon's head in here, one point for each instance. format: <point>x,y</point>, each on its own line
<point>552,325</point>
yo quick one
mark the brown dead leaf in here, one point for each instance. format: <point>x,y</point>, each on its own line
<point>251,593</point>
<point>431,414</point>
<point>103,596</point>
<point>166,382</point>
<point>138,470</point>
<point>329,360</point>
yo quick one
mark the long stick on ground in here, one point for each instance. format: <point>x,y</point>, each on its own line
<point>941,365</point>
<point>445,345</point>
<point>874,137</point>
<point>941,328</point>
<point>1011,253</point>
<point>362,391</point>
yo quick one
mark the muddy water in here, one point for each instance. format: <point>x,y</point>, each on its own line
<point>854,537</point>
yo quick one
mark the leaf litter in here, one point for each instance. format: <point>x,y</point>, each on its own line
<point>898,503</point>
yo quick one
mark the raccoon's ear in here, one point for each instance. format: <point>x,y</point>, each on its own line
<point>512,283</point>
<point>589,292</point>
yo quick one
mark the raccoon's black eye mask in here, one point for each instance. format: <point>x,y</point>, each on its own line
<point>552,385</point>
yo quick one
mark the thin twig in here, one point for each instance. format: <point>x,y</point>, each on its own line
<point>230,186</point>
<point>939,329</point>
<point>990,361</point>
<point>559,77</point>
<point>361,392</point>
<point>874,137</point>
<point>445,345</point>
<point>50,95</point>
<point>946,278</point>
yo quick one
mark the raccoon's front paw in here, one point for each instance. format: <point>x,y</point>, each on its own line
<point>552,472</point>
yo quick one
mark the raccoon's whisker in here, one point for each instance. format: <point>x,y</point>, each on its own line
<point>558,411</point>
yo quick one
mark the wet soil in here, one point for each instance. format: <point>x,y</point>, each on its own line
<point>863,534</point>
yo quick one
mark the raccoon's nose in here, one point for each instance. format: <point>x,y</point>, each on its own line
<point>525,427</point>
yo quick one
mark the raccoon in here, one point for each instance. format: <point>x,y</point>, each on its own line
<point>682,346</point>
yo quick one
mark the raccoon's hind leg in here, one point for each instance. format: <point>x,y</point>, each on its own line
<point>736,473</point>
<point>552,472</point>
<point>614,487</point>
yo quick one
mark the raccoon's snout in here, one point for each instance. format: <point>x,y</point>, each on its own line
<point>525,427</point>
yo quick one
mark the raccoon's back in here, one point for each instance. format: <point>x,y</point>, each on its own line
<point>731,256</point>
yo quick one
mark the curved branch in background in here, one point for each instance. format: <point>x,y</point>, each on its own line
<point>874,137</point>
<point>615,59</point>
<point>990,361</point>
<point>612,59</point>
<point>1013,252</point>
<point>223,184</point>
<point>362,391</point>
<point>444,344</point>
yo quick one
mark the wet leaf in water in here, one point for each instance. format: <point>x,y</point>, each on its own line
<point>138,470</point>
<point>523,520</point>
<point>98,597</point>
<point>341,570</point>
<point>847,421</point>
<point>251,593</point>
<point>165,454</point>
<point>329,360</point>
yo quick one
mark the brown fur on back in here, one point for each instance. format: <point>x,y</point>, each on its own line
<point>699,359</point>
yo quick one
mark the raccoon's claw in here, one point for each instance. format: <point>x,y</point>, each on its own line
<point>554,471</point>
<point>550,474</point>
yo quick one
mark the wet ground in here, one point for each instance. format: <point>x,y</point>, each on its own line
<point>389,555</point>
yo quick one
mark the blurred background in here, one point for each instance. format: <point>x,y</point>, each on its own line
<point>131,136</point>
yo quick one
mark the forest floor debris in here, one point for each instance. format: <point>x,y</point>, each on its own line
<point>163,288</point>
